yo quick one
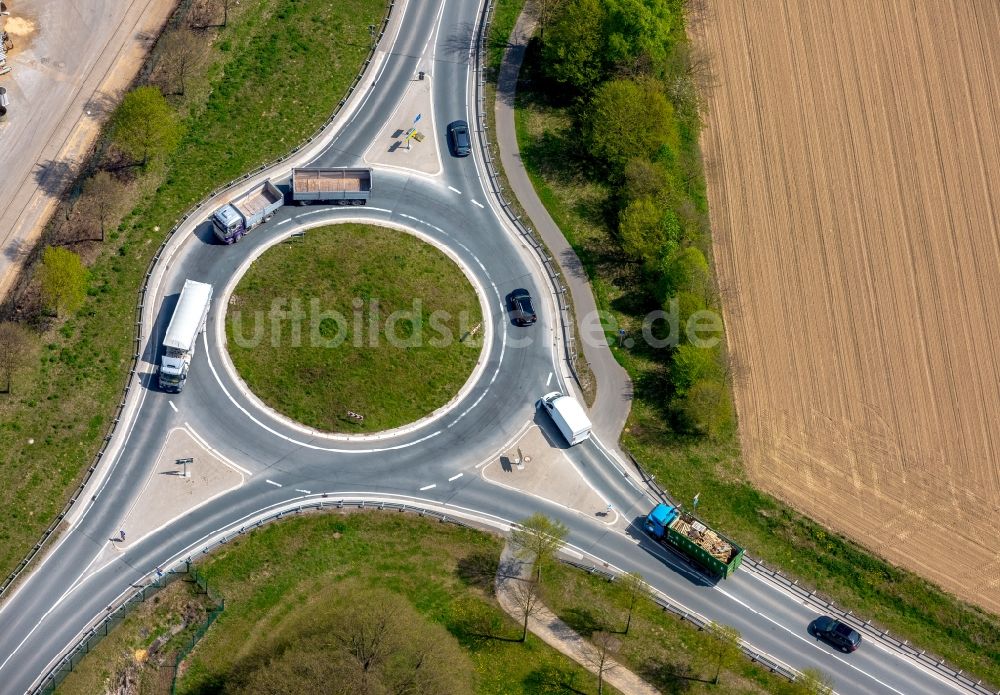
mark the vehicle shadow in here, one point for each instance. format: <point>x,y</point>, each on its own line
<point>670,558</point>
<point>553,437</point>
<point>151,350</point>
<point>206,234</point>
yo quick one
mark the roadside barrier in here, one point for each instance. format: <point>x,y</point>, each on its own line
<point>50,532</point>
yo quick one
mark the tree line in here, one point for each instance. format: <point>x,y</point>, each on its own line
<point>141,132</point>
<point>634,84</point>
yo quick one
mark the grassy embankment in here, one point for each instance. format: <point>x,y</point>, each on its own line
<point>265,82</point>
<point>584,205</point>
<point>420,302</point>
<point>275,578</point>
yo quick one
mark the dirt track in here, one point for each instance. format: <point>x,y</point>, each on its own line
<point>853,157</point>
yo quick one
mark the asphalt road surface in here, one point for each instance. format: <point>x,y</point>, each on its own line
<point>72,588</point>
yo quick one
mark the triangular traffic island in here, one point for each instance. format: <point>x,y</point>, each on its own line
<point>533,465</point>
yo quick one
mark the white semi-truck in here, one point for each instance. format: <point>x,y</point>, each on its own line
<point>568,415</point>
<point>188,321</point>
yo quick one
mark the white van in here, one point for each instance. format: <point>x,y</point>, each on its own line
<point>569,416</point>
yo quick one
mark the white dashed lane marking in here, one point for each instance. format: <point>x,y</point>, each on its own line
<point>428,487</point>
<point>452,188</point>
<point>171,403</point>
<point>304,492</point>
<point>455,477</point>
<point>271,482</point>
<point>476,202</point>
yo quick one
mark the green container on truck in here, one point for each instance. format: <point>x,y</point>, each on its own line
<point>692,537</point>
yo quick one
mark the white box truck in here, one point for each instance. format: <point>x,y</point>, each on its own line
<point>188,321</point>
<point>568,415</point>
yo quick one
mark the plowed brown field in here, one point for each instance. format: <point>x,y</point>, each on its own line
<point>853,158</point>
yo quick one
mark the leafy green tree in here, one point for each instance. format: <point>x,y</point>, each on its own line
<point>645,179</point>
<point>706,408</point>
<point>685,270</point>
<point>573,51</point>
<point>539,538</point>
<point>63,279</point>
<point>691,364</point>
<point>101,202</point>
<point>641,230</point>
<point>144,127</point>
<point>639,31</point>
<point>628,119</point>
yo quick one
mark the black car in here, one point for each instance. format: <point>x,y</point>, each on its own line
<point>841,636</point>
<point>521,310</point>
<point>458,138</point>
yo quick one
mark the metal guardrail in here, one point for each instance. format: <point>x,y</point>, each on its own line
<point>115,613</point>
<point>559,290</point>
<point>935,663</point>
<point>50,531</point>
<point>698,621</point>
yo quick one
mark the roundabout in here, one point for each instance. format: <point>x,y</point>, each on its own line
<point>355,328</point>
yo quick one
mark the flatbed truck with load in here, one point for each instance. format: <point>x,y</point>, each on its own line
<point>188,321</point>
<point>690,536</point>
<point>340,186</point>
<point>237,217</point>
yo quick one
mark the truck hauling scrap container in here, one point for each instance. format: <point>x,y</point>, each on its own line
<point>242,214</point>
<point>179,344</point>
<point>685,533</point>
<point>568,415</point>
<point>340,186</point>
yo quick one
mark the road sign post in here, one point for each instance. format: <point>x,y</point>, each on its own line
<point>184,462</point>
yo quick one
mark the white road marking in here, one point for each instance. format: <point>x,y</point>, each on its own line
<point>201,440</point>
<point>171,404</point>
<point>428,487</point>
<point>305,492</point>
<point>455,477</point>
<point>476,202</point>
<point>549,380</point>
<point>283,222</point>
<point>271,482</point>
<point>452,188</point>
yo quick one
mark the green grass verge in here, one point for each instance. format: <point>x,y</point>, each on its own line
<point>380,317</point>
<point>899,600</point>
<point>272,576</point>
<point>278,71</point>
<point>672,655</point>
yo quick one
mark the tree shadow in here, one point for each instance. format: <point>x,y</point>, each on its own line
<point>552,679</point>
<point>54,177</point>
<point>670,677</point>
<point>455,45</point>
<point>583,621</point>
<point>478,570</point>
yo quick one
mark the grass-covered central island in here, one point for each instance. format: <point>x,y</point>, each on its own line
<point>354,319</point>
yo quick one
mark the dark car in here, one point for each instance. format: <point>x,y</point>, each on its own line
<point>841,636</point>
<point>522,312</point>
<point>458,138</point>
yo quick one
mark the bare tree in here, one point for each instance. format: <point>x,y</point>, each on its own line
<point>180,51</point>
<point>538,538</point>
<point>812,681</point>
<point>727,647</point>
<point>599,653</point>
<point>101,201</point>
<point>632,588</point>
<point>15,350</point>
<point>524,593</point>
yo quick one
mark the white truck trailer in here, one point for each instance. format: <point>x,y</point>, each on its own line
<point>568,415</point>
<point>188,321</point>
